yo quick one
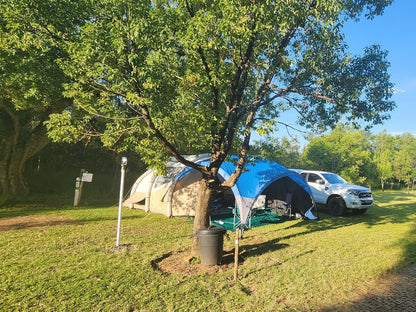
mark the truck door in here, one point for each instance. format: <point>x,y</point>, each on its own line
<point>317,185</point>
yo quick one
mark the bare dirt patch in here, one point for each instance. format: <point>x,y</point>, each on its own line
<point>181,264</point>
<point>37,221</point>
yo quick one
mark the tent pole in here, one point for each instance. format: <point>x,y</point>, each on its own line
<point>148,192</point>
<point>237,237</point>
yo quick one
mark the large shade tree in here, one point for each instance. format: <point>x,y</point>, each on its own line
<point>170,77</point>
<point>30,90</point>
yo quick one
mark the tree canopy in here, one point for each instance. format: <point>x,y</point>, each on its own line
<point>193,74</point>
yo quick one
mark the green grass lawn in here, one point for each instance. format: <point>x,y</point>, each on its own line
<point>65,259</point>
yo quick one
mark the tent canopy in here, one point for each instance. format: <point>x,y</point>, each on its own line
<point>257,176</point>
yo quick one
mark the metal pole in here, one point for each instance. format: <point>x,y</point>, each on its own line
<point>76,196</point>
<point>123,164</point>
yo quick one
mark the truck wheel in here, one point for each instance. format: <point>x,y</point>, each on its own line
<point>336,206</point>
<point>359,211</point>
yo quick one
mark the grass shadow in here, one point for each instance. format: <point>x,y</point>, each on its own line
<point>255,250</point>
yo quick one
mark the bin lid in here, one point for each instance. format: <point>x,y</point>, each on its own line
<point>212,229</point>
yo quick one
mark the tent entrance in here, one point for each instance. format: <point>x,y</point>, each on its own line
<point>267,209</point>
<point>224,213</point>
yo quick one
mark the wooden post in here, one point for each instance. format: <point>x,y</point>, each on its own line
<point>237,237</point>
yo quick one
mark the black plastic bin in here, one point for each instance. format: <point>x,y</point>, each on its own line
<point>211,241</point>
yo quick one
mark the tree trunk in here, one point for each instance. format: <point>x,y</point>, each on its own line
<point>9,132</point>
<point>13,164</point>
<point>202,212</point>
<point>15,177</point>
<point>5,152</point>
<point>17,147</point>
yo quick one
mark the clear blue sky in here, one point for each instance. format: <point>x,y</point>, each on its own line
<point>394,31</point>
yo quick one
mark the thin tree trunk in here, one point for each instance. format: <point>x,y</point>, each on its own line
<point>201,213</point>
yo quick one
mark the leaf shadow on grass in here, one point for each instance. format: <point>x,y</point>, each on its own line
<point>392,208</point>
<point>255,250</point>
<point>378,214</point>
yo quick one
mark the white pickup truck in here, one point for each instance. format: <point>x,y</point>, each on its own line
<point>338,195</point>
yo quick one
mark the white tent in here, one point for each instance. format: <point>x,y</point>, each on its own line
<point>166,194</point>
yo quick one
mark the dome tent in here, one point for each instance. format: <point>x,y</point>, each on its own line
<point>166,194</point>
<point>175,193</point>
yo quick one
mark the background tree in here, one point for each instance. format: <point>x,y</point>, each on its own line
<point>30,90</point>
<point>173,76</point>
<point>344,151</point>
<point>384,149</point>
<point>284,151</point>
<point>404,164</point>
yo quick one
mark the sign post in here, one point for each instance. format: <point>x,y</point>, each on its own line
<point>123,165</point>
<point>84,177</point>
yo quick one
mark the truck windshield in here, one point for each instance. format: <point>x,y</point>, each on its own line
<point>333,178</point>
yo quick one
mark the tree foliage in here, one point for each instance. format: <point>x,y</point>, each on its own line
<point>364,158</point>
<point>384,149</point>
<point>30,90</point>
<point>187,72</point>
<point>344,151</point>
<point>404,163</point>
<point>284,151</point>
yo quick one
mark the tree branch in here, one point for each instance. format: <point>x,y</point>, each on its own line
<point>169,147</point>
<point>317,95</point>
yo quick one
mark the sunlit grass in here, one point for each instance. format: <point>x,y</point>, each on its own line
<point>295,265</point>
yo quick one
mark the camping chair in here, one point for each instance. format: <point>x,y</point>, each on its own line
<point>286,207</point>
<point>258,207</point>
<point>262,212</point>
<point>232,223</point>
<point>237,219</point>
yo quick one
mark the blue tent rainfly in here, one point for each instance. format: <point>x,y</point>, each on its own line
<point>263,175</point>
